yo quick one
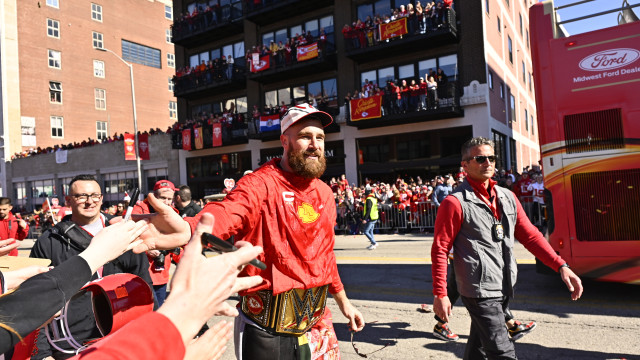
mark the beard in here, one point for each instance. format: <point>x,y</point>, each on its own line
<point>305,167</point>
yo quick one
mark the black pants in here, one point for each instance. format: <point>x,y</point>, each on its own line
<point>261,345</point>
<point>488,337</point>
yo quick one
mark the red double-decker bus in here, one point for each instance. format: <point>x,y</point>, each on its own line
<point>588,106</point>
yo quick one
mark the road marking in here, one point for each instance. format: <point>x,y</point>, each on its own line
<point>408,259</point>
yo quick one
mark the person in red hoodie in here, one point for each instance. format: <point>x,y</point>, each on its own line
<point>12,229</point>
<point>160,260</point>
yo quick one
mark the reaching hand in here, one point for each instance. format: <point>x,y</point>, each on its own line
<point>212,344</point>
<point>442,308</point>
<point>167,230</point>
<point>574,284</point>
<point>201,286</point>
<point>7,245</point>
<point>112,242</point>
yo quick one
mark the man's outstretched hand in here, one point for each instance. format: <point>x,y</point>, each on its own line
<point>167,230</point>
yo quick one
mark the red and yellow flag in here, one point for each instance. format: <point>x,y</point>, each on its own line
<point>307,52</point>
<point>393,29</point>
<point>367,108</point>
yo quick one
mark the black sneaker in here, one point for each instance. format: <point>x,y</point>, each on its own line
<point>444,333</point>
<point>519,329</point>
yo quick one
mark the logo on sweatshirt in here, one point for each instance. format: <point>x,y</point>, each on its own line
<point>307,213</point>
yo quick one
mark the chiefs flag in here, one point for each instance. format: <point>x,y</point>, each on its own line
<point>129,147</point>
<point>197,134</point>
<point>393,29</point>
<point>307,52</point>
<point>367,108</point>
<point>260,65</point>
<point>143,146</point>
<point>186,139</point>
<point>217,134</point>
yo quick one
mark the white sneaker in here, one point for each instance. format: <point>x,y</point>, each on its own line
<point>372,246</point>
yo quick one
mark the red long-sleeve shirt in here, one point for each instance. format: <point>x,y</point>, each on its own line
<point>9,229</point>
<point>449,221</point>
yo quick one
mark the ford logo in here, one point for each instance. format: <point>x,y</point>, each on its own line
<point>609,59</point>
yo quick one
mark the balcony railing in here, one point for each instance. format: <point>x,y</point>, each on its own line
<point>238,132</point>
<point>191,28</point>
<point>212,78</point>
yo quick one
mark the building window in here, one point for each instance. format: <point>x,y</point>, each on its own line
<point>527,39</point>
<point>55,92</point>
<point>53,3</point>
<point>501,90</point>
<point>171,85</point>
<point>96,12</point>
<point>171,60</point>
<point>530,83</point>
<point>510,45</point>
<point>101,99</point>
<point>53,28</point>
<point>524,73</point>
<point>97,40</point>
<point>486,5</point>
<point>101,130</point>
<point>490,80</point>
<point>507,1</point>
<point>526,116</point>
<point>54,59</point>
<point>512,101</point>
<point>499,25</point>
<point>141,54</point>
<point>521,25</point>
<point>168,36</point>
<point>168,12</point>
<point>57,126</point>
<point>533,128</point>
<point>173,110</point>
<point>98,68</point>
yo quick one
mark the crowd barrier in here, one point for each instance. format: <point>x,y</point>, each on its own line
<point>421,216</point>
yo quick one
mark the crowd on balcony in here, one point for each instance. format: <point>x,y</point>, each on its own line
<point>233,125</point>
<point>284,54</point>
<point>420,20</point>
<point>205,73</point>
<point>203,16</point>
<point>77,145</point>
<point>401,97</point>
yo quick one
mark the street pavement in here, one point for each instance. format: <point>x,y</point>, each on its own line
<point>388,285</point>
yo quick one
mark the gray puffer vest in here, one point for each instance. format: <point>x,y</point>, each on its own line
<point>478,259</point>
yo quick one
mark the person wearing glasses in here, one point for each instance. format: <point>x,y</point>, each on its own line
<point>69,238</point>
<point>480,221</point>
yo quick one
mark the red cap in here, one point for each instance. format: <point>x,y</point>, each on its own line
<point>164,184</point>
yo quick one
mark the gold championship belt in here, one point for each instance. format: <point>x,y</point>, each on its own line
<point>292,312</point>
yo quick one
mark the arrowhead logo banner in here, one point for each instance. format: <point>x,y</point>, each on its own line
<point>307,52</point>
<point>217,135</point>
<point>367,108</point>
<point>143,146</point>
<point>129,147</point>
<point>186,139</point>
<point>261,65</point>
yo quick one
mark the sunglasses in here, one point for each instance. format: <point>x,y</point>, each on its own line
<point>355,348</point>
<point>481,159</point>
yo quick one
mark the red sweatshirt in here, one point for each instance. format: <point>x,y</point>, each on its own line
<point>9,229</point>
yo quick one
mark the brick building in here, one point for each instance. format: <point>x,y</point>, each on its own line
<point>482,47</point>
<point>57,88</point>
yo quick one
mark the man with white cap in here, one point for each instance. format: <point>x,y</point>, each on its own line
<point>285,208</point>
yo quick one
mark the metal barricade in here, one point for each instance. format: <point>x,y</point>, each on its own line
<point>420,216</point>
<point>536,212</point>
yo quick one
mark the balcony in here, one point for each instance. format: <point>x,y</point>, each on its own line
<point>426,35</point>
<point>271,11</point>
<point>280,71</point>
<point>212,81</point>
<point>236,133</point>
<point>445,107</point>
<point>208,26</point>
<point>255,133</point>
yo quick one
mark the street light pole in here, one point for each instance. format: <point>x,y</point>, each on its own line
<point>135,117</point>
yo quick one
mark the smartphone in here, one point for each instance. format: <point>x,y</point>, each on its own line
<point>212,242</point>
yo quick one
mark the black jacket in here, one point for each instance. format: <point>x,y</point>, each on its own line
<point>62,242</point>
<point>190,210</point>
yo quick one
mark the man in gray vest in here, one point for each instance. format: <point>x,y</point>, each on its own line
<point>481,221</point>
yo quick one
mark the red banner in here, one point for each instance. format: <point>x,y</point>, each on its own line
<point>197,134</point>
<point>186,139</point>
<point>367,108</point>
<point>143,146</point>
<point>129,147</point>
<point>393,29</point>
<point>307,52</point>
<point>217,134</point>
<point>261,65</point>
